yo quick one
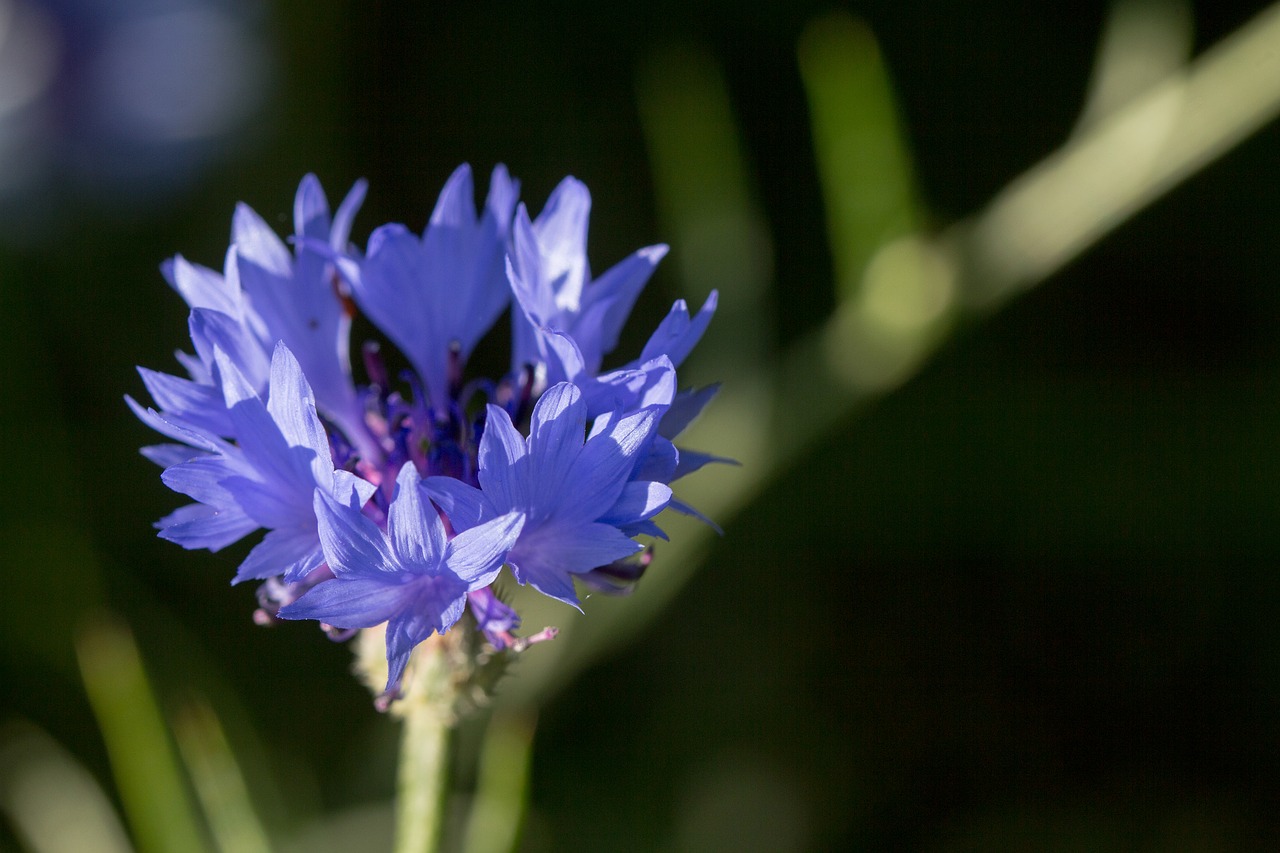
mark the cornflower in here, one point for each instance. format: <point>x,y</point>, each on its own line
<point>402,499</point>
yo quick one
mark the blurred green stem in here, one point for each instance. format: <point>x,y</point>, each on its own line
<point>422,789</point>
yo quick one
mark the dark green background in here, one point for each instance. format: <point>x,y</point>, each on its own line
<point>1027,600</point>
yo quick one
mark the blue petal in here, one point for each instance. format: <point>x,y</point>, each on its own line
<point>257,243</point>
<point>547,557</point>
<point>353,544</point>
<point>638,502</point>
<point>651,384</point>
<point>683,508</point>
<point>354,603</point>
<point>201,526</point>
<point>464,259</point>
<point>311,209</point>
<point>564,361</point>
<point>692,460</point>
<point>267,503</point>
<point>501,451</point>
<point>437,603</point>
<point>456,204</point>
<point>476,555</point>
<point>413,525</point>
<point>404,632</point>
<point>557,430</point>
<point>292,407</point>
<point>491,614</point>
<point>561,230</point>
<point>677,334</point>
<point>168,455</point>
<point>200,405</point>
<point>340,235</point>
<point>659,461</point>
<point>604,466</point>
<point>293,553</point>
<point>685,408</point>
<point>608,300</point>
<point>464,505</point>
<point>213,331</point>
<point>203,479</point>
<point>201,287</point>
<point>352,490</point>
<point>175,428</point>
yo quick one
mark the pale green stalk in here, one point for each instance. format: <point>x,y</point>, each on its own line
<point>427,708</point>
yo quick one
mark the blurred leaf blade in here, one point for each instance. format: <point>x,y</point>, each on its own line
<point>219,781</point>
<point>53,803</point>
<point>1143,42</point>
<point>502,787</point>
<point>143,760</point>
<point>864,162</point>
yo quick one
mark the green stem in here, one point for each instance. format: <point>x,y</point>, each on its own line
<point>422,791</point>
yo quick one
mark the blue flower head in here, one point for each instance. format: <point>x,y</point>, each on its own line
<point>405,500</point>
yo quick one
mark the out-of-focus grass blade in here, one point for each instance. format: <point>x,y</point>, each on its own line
<point>219,783</point>
<point>143,761</point>
<point>918,287</point>
<point>862,155</point>
<point>501,799</point>
<point>1143,42</point>
<point>53,803</point>
<point>706,203</point>
<point>1068,201</point>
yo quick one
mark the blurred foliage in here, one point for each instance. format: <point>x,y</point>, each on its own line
<point>1024,600</point>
